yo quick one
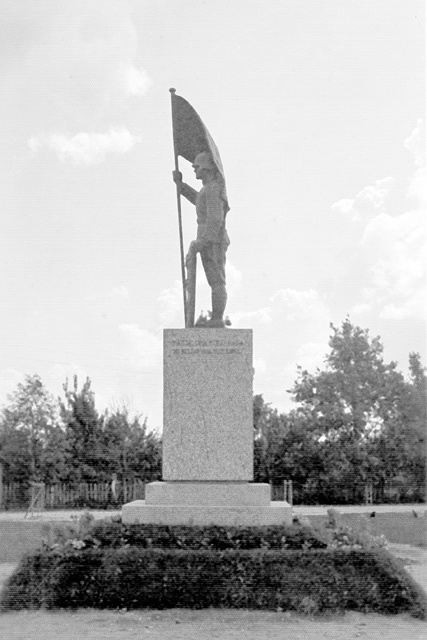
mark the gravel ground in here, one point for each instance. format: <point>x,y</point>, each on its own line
<point>183,624</point>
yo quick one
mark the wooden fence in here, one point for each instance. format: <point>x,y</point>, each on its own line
<point>359,493</point>
<point>72,496</point>
<point>104,495</point>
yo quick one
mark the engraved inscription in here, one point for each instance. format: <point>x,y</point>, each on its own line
<point>181,342</point>
<point>213,346</point>
<point>216,350</point>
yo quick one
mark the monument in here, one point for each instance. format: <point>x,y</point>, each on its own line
<point>207,472</point>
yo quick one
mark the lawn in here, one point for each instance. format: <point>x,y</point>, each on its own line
<point>401,527</point>
<point>17,537</point>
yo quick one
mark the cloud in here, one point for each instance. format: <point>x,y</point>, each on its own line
<point>391,248</point>
<point>78,56</point>
<point>416,143</point>
<point>292,329</point>
<point>344,206</point>
<point>260,366</point>
<point>368,202</point>
<point>285,306</point>
<point>259,316</point>
<point>395,248</point>
<point>143,348</point>
<point>309,356</point>
<point>359,308</point>
<point>170,305</point>
<point>312,354</point>
<point>120,293</point>
<point>85,149</point>
<point>136,81</point>
<point>9,379</point>
<point>298,305</point>
<point>417,189</point>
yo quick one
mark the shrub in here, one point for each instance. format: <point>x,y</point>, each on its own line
<point>109,564</point>
<point>357,536</point>
<point>113,533</point>
<point>58,534</point>
<point>313,581</point>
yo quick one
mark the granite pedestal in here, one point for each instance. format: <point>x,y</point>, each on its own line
<point>207,436</point>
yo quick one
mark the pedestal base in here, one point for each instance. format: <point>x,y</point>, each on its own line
<point>205,503</point>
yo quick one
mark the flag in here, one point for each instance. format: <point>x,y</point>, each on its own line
<point>191,137</point>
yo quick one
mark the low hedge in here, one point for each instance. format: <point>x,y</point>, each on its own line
<point>307,581</point>
<point>117,534</point>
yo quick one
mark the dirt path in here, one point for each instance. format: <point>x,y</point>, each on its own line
<point>181,624</point>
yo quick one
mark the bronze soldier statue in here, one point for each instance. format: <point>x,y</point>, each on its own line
<point>212,239</point>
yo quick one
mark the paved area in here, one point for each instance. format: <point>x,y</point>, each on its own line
<point>316,510</point>
<point>303,510</point>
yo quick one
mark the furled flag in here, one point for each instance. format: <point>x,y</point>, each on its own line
<point>192,137</point>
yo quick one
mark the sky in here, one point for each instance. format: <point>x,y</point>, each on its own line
<point>318,110</point>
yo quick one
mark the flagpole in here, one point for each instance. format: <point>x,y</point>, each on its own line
<point>178,203</point>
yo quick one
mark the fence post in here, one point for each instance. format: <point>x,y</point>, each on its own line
<point>37,498</point>
<point>1,486</point>
<point>287,485</point>
<point>368,493</point>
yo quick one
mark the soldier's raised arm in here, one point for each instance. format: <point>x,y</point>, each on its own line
<point>184,188</point>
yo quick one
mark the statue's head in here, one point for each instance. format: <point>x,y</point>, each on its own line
<point>203,163</point>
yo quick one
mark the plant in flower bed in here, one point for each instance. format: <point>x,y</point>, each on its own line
<point>112,565</point>
<point>216,538</point>
<point>358,536</point>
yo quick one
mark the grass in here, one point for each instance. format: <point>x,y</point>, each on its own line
<point>16,538</point>
<point>400,527</point>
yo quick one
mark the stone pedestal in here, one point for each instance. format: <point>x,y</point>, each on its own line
<point>207,436</point>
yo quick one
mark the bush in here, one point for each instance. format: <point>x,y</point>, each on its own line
<point>108,564</point>
<point>311,581</point>
<point>116,534</point>
<point>357,536</point>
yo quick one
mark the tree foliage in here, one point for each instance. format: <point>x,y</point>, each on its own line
<point>358,420</point>
<point>32,439</point>
<point>84,432</point>
<point>137,451</point>
<point>49,440</point>
<point>369,415</point>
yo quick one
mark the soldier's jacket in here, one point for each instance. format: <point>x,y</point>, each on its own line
<point>210,210</point>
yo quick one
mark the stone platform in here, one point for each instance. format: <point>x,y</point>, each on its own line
<point>203,503</point>
<point>207,436</point>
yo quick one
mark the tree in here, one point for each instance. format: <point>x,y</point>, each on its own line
<point>269,432</point>
<point>284,448</point>
<point>357,388</point>
<point>32,439</point>
<point>85,455</point>
<point>418,397</point>
<point>133,450</point>
<point>112,443</point>
<point>360,406</point>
